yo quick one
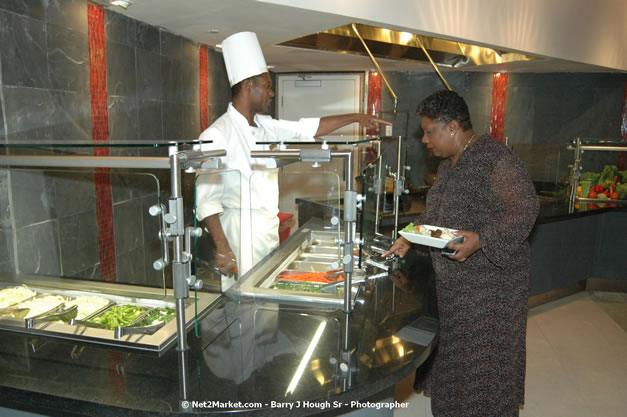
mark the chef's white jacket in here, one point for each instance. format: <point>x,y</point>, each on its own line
<point>246,193</point>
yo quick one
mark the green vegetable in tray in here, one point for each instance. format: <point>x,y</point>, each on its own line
<point>297,287</point>
<point>593,177</point>
<point>607,176</point>
<point>119,316</point>
<point>621,189</point>
<point>158,315</point>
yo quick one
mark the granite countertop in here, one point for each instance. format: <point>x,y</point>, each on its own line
<point>242,352</point>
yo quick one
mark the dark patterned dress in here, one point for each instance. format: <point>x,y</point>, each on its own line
<point>479,364</point>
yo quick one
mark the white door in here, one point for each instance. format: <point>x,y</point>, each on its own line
<point>318,95</point>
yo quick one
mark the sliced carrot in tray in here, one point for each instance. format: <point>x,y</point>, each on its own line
<point>322,277</point>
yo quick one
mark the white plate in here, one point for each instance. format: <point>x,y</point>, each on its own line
<point>428,240</point>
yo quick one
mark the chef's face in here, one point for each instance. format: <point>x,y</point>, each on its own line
<point>437,137</point>
<point>261,93</point>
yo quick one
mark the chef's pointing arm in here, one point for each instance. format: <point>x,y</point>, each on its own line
<point>330,123</point>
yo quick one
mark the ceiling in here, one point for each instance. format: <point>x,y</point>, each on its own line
<point>210,21</point>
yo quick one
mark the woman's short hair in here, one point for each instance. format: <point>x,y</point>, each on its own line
<point>445,106</point>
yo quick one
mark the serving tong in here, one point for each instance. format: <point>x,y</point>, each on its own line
<point>58,314</point>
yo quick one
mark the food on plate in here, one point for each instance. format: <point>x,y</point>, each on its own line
<point>424,230</point>
<point>10,296</point>
<point>87,305</point>
<point>156,316</point>
<point>42,304</point>
<point>120,316</point>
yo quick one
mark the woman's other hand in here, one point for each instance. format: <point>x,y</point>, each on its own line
<point>469,246</point>
<point>400,248</point>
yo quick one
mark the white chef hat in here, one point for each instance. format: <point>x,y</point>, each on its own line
<point>243,57</point>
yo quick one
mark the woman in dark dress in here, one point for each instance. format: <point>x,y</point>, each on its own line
<point>483,190</point>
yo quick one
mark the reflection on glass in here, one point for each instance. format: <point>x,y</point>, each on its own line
<point>221,255</point>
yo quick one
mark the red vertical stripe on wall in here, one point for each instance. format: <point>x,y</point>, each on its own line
<point>100,134</point>
<point>204,88</point>
<point>499,100</point>
<point>622,156</point>
<point>374,97</point>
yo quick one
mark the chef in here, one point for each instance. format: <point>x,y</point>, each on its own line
<point>239,206</point>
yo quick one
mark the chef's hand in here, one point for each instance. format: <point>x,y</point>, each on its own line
<point>371,122</point>
<point>400,248</point>
<point>225,258</point>
<point>469,246</point>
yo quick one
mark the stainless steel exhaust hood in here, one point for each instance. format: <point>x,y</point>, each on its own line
<point>404,46</point>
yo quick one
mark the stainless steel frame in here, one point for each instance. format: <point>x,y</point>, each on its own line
<point>578,147</point>
<point>174,218</point>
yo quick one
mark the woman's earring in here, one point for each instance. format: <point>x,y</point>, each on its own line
<point>451,134</point>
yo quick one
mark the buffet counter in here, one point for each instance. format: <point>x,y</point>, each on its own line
<point>248,355</point>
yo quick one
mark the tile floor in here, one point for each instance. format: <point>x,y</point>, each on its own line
<point>576,360</point>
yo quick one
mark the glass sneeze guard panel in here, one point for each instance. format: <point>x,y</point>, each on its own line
<point>218,192</point>
<point>293,259</point>
<point>84,224</point>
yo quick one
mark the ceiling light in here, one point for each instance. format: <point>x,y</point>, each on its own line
<point>121,3</point>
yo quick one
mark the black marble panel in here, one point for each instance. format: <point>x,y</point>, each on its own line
<point>219,90</point>
<point>173,46</point>
<point>173,122</point>
<point>148,37</point>
<point>7,263</point>
<point>33,197</point>
<point>71,14</point>
<point>3,136</point>
<point>91,273</point>
<point>132,184</point>
<point>131,267</point>
<point>38,248</point>
<point>520,111</point>
<point>149,82</point>
<point>30,8</point>
<point>190,80</point>
<point>68,59</point>
<point>5,209</point>
<point>28,114</point>
<point>23,51</point>
<point>150,120</point>
<point>127,225</point>
<point>120,28</point>
<point>71,117</point>
<point>74,192</point>
<point>123,121</point>
<point>120,70</point>
<point>78,238</point>
<point>607,104</point>
<point>171,74</point>
<point>191,121</point>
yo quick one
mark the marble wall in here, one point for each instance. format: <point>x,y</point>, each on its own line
<point>48,222</point>
<point>544,112</point>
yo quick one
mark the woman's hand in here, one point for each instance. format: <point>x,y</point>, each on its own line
<point>469,246</point>
<point>400,248</point>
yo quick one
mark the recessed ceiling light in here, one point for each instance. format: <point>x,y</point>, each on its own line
<point>121,3</point>
<point>213,31</point>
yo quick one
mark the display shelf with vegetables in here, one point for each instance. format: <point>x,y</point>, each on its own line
<point>595,190</point>
<point>600,190</point>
